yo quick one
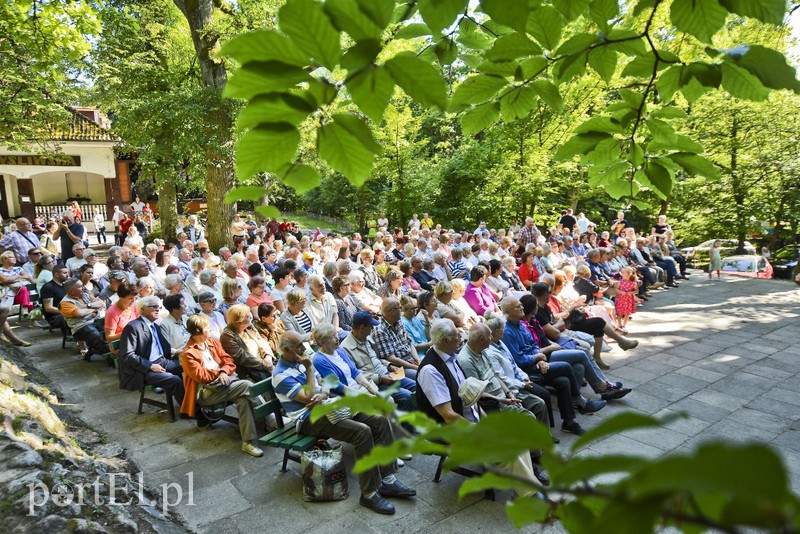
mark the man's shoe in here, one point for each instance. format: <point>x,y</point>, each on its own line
<point>541,474</point>
<point>573,428</point>
<point>673,284</point>
<point>614,394</point>
<point>591,406</point>
<point>252,450</point>
<point>377,504</point>
<point>400,463</point>
<point>396,489</point>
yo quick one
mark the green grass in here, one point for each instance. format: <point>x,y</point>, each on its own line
<point>310,222</point>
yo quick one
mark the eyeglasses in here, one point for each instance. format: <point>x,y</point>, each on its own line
<point>154,307</point>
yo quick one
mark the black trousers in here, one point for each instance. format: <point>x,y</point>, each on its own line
<point>171,380</point>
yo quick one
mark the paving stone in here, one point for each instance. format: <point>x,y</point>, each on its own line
<point>787,411</point>
<point>720,399</point>
<point>219,500</point>
<point>699,373</point>
<point>665,439</point>
<point>681,381</point>
<point>700,410</point>
<point>689,425</point>
<point>783,395</point>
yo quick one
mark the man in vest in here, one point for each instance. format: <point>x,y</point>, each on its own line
<point>438,381</point>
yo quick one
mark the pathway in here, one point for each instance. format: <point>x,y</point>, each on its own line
<point>723,351</point>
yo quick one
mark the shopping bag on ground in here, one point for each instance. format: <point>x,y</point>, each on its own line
<point>324,475</point>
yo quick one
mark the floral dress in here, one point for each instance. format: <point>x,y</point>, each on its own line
<point>625,301</point>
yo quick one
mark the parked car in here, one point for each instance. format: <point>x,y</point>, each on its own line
<point>750,265</point>
<point>786,264</point>
<point>698,255</point>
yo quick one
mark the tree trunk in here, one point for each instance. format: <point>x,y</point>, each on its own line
<point>737,185</point>
<point>167,208</point>
<point>219,169</point>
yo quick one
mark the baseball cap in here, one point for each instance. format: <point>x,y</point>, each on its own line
<point>362,318</point>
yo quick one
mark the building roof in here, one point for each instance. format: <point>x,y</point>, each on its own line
<point>77,127</point>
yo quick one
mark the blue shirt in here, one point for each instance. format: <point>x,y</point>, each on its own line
<point>325,366</point>
<point>415,329</point>
<point>521,344</point>
<point>287,380</point>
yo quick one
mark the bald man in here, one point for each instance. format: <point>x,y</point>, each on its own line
<point>298,388</point>
<point>20,241</point>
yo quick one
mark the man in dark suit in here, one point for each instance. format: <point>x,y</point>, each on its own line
<point>144,353</point>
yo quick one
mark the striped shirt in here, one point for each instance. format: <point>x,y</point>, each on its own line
<point>304,321</point>
<point>287,380</point>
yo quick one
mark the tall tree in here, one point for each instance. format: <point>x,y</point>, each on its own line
<point>218,117</point>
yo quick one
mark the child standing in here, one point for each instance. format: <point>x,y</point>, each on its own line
<point>715,257</point>
<point>625,301</point>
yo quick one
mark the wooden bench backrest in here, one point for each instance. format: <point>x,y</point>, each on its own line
<point>271,405</point>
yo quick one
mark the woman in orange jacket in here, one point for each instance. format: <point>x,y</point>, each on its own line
<point>209,377</point>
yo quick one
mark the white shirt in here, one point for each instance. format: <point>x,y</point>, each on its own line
<point>209,362</point>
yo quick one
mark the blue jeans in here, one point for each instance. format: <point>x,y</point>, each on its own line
<point>404,397</point>
<point>578,358</point>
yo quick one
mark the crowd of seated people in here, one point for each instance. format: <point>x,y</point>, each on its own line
<point>419,311</point>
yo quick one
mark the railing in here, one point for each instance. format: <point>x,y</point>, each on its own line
<point>55,211</point>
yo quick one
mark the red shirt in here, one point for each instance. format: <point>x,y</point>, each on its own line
<point>528,274</point>
<point>125,225</point>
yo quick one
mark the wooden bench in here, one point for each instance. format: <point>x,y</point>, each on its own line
<point>284,437</point>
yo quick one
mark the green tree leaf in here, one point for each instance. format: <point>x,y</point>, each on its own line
<point>669,82</point>
<point>265,148</point>
<point>517,102</point>
<point>472,36</point>
<point>701,18</point>
<point>490,480</point>
<point>260,77</point>
<point>670,112</point>
<point>273,107</point>
<point>549,94</point>
<point>320,92</point>
<point>604,61</point>
<point>618,189</point>
<point>511,47</point>
<point>477,89</point>
<point>300,177</point>
<point>480,117</point>
<point>419,79</point>
<point>357,403</point>
<point>577,43</point>
<point>769,11</point>
<point>580,144</point>
<point>342,144</point>
<point>526,510</point>
<point>512,13</point>
<point>413,30</point>
<point>695,165</point>
<point>347,16</point>
<point>660,178</point>
<point>504,69</point>
<point>492,439</point>
<point>446,51</point>
<point>264,45</point>
<point>441,14</point>
<point>766,64</point>
<point>268,212</point>
<point>620,423</point>
<point>577,468</point>
<point>532,67</point>
<point>254,193</point>
<point>602,11</point>
<point>740,83</point>
<point>640,67</point>
<point>600,124</point>
<point>382,455</point>
<point>371,90</point>
<point>361,54</point>
<point>545,25</point>
<point>311,30</point>
<point>379,11</point>
<point>571,9</point>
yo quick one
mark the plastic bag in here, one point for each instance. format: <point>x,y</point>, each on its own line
<point>324,475</point>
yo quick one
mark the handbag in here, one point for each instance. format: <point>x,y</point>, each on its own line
<point>324,475</point>
<point>576,316</point>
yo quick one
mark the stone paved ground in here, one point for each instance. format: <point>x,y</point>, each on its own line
<point>723,351</point>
